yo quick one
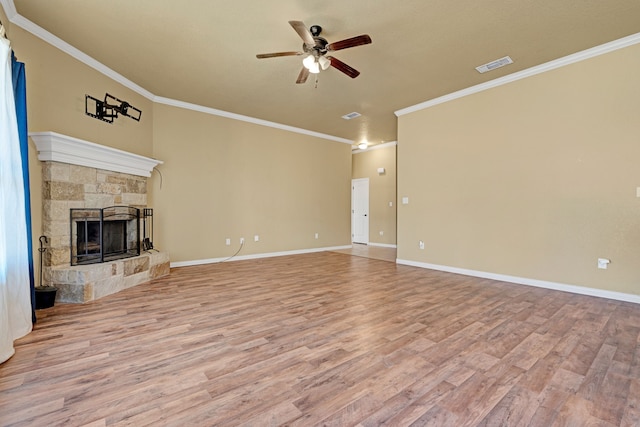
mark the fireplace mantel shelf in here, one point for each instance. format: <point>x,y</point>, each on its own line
<point>65,149</point>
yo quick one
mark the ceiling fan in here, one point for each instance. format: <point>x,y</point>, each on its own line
<point>315,50</point>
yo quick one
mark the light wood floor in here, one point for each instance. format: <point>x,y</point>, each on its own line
<point>327,339</point>
<point>369,251</point>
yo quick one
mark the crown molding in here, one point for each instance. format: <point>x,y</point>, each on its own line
<point>542,68</point>
<point>65,149</point>
<point>57,42</point>
<point>9,9</point>
<point>240,117</point>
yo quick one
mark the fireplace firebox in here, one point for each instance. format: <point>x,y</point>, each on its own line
<point>103,235</point>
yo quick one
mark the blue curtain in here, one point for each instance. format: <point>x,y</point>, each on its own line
<point>20,97</point>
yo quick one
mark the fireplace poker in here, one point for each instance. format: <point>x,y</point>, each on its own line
<point>41,250</point>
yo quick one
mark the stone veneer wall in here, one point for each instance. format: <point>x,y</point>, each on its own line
<point>67,186</point>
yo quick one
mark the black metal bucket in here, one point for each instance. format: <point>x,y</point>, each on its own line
<point>45,297</point>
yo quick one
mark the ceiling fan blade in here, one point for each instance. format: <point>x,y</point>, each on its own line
<point>302,77</point>
<point>303,32</point>
<point>341,66</point>
<point>277,54</point>
<point>352,42</point>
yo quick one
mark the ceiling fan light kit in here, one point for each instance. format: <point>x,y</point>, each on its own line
<point>308,61</point>
<point>314,65</point>
<point>315,49</point>
<point>324,62</point>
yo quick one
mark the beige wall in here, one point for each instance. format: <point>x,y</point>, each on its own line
<point>224,178</point>
<point>535,179</point>
<point>5,21</point>
<point>382,190</point>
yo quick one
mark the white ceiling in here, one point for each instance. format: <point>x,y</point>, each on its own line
<point>203,52</point>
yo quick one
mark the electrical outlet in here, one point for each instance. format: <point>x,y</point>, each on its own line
<point>381,233</point>
<point>603,263</point>
<point>421,244</point>
<point>316,235</point>
<point>227,242</point>
<point>256,238</point>
<point>242,240</point>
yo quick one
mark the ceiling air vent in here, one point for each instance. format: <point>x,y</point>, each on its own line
<point>351,116</point>
<point>494,64</point>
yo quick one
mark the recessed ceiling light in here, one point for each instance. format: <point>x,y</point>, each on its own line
<point>494,64</point>
<point>351,116</point>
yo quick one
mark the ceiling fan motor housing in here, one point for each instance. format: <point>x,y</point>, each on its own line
<point>320,48</point>
<point>315,30</point>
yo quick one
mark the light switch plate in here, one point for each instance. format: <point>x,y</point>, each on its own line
<point>405,200</point>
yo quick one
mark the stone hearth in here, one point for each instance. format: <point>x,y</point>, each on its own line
<point>82,175</point>
<point>82,283</point>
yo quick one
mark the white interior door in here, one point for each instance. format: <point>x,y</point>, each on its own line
<point>360,210</point>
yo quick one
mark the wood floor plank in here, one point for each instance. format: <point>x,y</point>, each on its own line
<point>631,415</point>
<point>31,411</point>
<point>327,339</point>
<point>428,387</point>
<point>517,407</point>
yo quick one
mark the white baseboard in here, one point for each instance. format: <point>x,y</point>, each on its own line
<point>255,256</point>
<point>529,282</point>
<point>383,245</point>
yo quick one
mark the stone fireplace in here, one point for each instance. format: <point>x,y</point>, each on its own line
<point>84,183</point>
